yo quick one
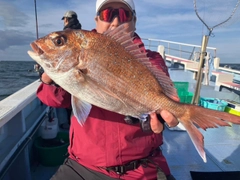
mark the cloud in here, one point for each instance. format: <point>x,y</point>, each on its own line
<point>12,16</point>
<point>170,4</point>
<point>10,38</point>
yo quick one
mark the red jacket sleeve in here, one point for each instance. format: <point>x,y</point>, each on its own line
<point>54,96</point>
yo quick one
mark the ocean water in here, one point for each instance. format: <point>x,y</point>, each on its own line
<point>15,75</point>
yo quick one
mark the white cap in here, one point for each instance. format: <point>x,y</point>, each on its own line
<point>129,3</point>
<point>69,14</point>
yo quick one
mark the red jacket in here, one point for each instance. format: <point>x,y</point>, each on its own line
<point>106,139</point>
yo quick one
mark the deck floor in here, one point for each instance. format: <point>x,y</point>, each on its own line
<point>222,147</point>
<point>40,172</point>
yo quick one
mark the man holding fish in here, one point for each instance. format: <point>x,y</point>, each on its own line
<point>111,81</point>
<point>105,146</point>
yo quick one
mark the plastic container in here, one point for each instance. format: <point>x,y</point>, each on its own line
<point>182,87</point>
<point>49,129</point>
<point>213,103</point>
<point>186,97</point>
<point>232,111</point>
<point>52,152</point>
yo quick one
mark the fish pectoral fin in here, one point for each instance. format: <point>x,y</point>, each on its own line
<point>197,139</point>
<point>102,91</point>
<point>81,109</point>
<point>110,93</point>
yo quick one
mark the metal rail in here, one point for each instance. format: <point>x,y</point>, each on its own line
<point>181,49</point>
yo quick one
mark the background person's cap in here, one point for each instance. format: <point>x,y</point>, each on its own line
<point>100,3</point>
<point>69,14</point>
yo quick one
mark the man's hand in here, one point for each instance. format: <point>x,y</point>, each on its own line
<point>46,79</point>
<point>157,126</point>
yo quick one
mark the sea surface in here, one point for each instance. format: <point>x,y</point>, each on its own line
<point>15,75</point>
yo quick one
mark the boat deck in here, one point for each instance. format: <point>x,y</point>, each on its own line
<point>222,147</point>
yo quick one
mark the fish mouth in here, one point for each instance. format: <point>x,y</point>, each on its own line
<point>38,51</point>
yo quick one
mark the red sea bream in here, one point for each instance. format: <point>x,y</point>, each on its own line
<point>108,70</point>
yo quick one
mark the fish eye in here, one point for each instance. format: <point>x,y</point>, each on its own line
<point>59,41</point>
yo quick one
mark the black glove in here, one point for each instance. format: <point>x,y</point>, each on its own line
<point>145,125</point>
<point>131,120</point>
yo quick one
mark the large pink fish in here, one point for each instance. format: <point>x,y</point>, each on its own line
<point>108,70</point>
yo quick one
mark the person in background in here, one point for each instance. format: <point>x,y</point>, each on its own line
<point>70,20</point>
<point>107,147</point>
<point>38,69</point>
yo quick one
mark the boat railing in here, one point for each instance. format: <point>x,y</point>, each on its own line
<point>182,50</point>
<point>229,70</point>
<point>188,52</point>
<point>19,115</point>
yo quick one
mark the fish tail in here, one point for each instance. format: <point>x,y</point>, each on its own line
<point>196,116</point>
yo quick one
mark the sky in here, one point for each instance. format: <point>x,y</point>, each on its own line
<point>173,20</point>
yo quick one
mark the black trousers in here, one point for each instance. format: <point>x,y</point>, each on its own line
<point>71,170</point>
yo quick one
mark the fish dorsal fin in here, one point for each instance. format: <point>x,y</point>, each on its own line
<point>125,38</point>
<point>165,82</point>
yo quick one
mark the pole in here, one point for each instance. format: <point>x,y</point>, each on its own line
<point>35,4</point>
<point>196,96</point>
